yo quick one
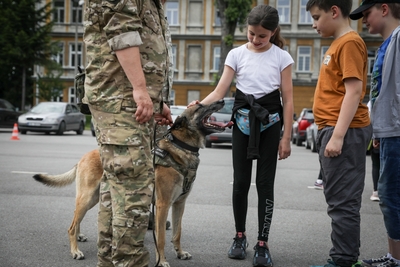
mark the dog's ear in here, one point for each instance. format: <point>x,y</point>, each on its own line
<point>179,123</point>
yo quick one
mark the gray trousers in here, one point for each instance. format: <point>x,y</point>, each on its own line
<point>343,179</point>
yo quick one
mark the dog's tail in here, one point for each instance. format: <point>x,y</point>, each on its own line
<point>58,180</point>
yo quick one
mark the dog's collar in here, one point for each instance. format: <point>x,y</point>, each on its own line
<point>178,142</point>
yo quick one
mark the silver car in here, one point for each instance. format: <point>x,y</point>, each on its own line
<point>48,117</point>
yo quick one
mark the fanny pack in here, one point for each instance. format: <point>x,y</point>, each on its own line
<point>243,121</point>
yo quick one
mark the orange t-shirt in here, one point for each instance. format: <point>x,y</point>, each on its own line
<point>345,58</point>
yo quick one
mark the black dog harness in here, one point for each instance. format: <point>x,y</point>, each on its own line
<point>164,158</point>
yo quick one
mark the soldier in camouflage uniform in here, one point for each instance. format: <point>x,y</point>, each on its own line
<point>127,68</point>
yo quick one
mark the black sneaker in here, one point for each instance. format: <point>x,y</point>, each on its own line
<point>238,248</point>
<point>262,258</point>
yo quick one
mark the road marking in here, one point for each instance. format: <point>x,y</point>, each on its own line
<point>250,184</point>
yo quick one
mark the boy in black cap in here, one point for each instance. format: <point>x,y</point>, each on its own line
<point>344,128</point>
<point>383,17</point>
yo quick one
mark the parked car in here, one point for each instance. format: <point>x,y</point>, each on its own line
<point>50,117</point>
<point>300,125</point>
<point>311,135</point>
<point>8,114</point>
<point>176,111</point>
<point>223,116</point>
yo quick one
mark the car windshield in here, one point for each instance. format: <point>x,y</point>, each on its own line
<point>48,108</point>
<point>309,115</point>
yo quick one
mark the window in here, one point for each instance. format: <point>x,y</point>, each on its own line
<point>75,109</point>
<point>304,58</point>
<point>217,18</point>
<point>323,51</point>
<point>76,14</point>
<point>194,62</point>
<point>283,7</point>
<point>195,16</point>
<point>193,95</point>
<point>72,54</point>
<point>58,11</point>
<point>304,16</point>
<point>59,57</point>
<point>71,94</point>
<point>216,58</point>
<point>174,64</point>
<point>172,12</point>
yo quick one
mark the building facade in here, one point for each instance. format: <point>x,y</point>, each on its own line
<point>196,35</point>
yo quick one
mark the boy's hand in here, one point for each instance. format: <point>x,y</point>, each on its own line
<point>334,147</point>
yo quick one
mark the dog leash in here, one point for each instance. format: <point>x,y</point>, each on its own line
<point>153,199</point>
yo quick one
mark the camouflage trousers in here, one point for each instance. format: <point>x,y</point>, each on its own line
<point>126,191</point>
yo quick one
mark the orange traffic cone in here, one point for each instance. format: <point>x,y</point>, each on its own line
<point>14,135</point>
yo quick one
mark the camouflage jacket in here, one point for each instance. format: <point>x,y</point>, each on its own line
<point>115,25</point>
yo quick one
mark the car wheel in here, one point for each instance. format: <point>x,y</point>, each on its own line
<point>299,142</point>
<point>81,128</point>
<point>293,139</point>
<point>208,144</point>
<point>308,146</point>
<point>93,133</point>
<point>313,146</point>
<point>23,132</point>
<point>61,129</point>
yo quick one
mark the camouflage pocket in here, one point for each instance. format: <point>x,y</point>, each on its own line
<point>80,92</point>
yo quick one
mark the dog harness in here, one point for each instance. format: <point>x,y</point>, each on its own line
<point>164,158</point>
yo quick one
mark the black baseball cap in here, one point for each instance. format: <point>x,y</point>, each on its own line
<point>366,4</point>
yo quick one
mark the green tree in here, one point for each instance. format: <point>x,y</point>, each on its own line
<point>232,13</point>
<point>50,84</point>
<point>25,41</point>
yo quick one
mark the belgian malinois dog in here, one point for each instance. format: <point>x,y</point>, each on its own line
<point>176,161</point>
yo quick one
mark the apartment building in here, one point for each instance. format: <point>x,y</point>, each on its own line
<point>196,35</point>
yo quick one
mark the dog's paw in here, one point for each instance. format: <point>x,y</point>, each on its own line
<point>183,255</point>
<point>164,264</point>
<point>78,255</point>
<point>82,238</point>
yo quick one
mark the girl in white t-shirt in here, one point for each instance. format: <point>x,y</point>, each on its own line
<point>263,103</point>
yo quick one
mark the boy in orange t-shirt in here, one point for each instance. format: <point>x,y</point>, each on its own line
<point>344,126</point>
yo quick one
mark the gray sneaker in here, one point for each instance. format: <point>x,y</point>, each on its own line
<point>388,263</point>
<point>262,257</point>
<point>374,262</point>
<point>238,248</point>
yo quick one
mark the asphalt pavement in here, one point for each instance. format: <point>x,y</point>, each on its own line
<point>34,219</point>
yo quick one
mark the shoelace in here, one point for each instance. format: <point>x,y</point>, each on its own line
<point>239,242</point>
<point>261,251</point>
<point>381,259</point>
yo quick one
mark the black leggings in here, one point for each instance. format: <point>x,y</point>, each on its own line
<point>265,178</point>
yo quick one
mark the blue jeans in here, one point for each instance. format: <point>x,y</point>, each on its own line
<point>389,185</point>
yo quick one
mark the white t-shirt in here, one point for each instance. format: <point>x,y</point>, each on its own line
<point>258,74</point>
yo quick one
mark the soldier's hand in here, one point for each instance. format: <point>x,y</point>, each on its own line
<point>165,117</point>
